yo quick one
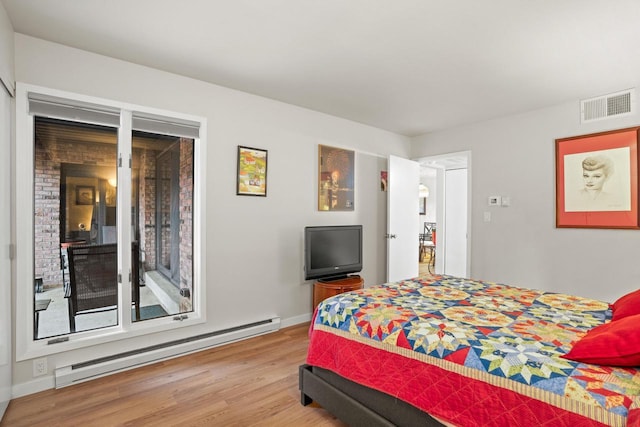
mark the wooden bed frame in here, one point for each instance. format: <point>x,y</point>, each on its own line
<point>355,404</point>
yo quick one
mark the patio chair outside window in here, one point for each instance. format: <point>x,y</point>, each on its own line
<point>93,283</point>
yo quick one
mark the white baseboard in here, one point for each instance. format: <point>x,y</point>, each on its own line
<point>73,374</point>
<point>48,382</point>
<point>34,386</point>
<point>295,320</point>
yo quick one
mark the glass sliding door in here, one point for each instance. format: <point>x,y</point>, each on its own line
<point>75,201</point>
<point>75,249</point>
<point>163,181</point>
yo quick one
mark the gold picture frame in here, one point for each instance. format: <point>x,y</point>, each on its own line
<point>252,172</point>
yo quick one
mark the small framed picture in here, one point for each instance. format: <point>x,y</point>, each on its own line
<point>85,195</point>
<point>252,172</point>
<point>597,180</point>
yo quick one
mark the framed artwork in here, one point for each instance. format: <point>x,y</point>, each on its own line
<point>597,180</point>
<point>335,179</point>
<point>252,172</point>
<point>85,195</point>
<point>423,205</point>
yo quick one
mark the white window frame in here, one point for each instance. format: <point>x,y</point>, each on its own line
<point>26,346</point>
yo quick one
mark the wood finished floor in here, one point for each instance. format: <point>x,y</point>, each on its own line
<point>424,268</point>
<point>248,383</point>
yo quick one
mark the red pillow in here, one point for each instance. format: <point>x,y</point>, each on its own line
<point>614,343</point>
<point>626,305</point>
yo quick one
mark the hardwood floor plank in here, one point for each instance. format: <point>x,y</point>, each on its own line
<point>248,383</point>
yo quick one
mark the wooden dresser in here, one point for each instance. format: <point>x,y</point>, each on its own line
<point>323,289</point>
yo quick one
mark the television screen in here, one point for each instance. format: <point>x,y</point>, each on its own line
<point>332,251</point>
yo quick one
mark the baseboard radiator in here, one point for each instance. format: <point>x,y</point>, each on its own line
<point>95,368</point>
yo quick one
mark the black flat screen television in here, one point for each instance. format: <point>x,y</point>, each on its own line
<point>332,252</point>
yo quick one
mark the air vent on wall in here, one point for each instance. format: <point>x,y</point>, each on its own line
<point>603,107</point>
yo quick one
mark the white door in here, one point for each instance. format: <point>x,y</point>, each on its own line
<point>455,231</point>
<point>402,219</point>
<point>5,263</point>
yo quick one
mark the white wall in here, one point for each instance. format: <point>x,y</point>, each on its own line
<point>254,245</point>
<point>6,51</point>
<point>515,156</point>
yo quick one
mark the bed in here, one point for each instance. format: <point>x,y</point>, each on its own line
<point>450,351</point>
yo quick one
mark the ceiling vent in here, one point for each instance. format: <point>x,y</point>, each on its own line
<point>603,107</point>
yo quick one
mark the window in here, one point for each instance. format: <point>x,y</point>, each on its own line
<point>116,196</point>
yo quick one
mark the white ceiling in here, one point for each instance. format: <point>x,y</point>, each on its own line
<point>408,66</point>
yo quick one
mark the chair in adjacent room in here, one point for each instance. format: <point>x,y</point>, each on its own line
<point>93,282</point>
<point>427,243</point>
<point>429,227</point>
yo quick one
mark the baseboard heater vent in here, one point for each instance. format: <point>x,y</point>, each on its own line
<point>603,107</point>
<point>102,366</point>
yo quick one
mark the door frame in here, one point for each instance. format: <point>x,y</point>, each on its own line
<point>442,162</point>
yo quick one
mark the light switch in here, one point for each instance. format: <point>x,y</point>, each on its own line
<point>506,201</point>
<point>487,217</point>
<point>494,200</point>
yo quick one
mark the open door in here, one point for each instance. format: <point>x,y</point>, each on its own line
<point>403,228</point>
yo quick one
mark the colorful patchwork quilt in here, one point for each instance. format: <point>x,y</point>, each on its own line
<point>475,353</point>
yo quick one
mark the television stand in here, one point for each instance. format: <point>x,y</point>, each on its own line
<point>325,288</point>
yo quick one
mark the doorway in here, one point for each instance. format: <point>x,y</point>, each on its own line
<point>448,178</point>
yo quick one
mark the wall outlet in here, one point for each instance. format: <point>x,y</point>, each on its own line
<point>40,367</point>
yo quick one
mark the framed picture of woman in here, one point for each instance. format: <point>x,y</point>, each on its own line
<point>597,180</point>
